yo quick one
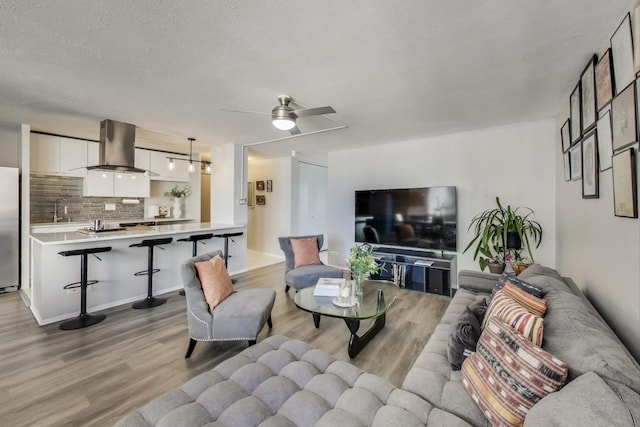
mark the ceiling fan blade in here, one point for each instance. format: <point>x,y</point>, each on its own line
<point>229,110</point>
<point>294,131</point>
<point>314,111</point>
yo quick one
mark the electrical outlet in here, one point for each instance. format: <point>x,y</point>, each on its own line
<point>109,206</point>
<point>73,291</point>
<point>333,253</point>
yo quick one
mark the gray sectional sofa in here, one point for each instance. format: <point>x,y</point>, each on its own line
<point>283,382</point>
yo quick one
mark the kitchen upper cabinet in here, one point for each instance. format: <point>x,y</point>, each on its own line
<point>73,157</point>
<point>142,159</point>
<point>116,184</point>
<point>54,155</point>
<point>159,163</point>
<point>45,154</point>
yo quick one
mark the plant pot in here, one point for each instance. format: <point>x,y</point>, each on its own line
<point>513,240</point>
<point>497,268</point>
<point>519,267</point>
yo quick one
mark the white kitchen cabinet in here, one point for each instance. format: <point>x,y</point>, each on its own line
<point>127,184</point>
<point>142,159</point>
<point>159,163</point>
<point>45,154</point>
<point>73,157</point>
<point>93,153</point>
<point>99,183</point>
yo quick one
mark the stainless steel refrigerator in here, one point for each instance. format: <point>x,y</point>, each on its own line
<point>9,229</point>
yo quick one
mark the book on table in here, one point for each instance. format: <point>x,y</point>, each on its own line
<point>328,287</point>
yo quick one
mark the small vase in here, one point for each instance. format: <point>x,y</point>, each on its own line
<point>178,207</point>
<point>359,278</point>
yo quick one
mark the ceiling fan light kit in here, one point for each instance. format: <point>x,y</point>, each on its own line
<point>283,116</point>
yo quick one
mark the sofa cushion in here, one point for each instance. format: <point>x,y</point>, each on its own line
<point>544,277</point>
<point>463,338</point>
<point>305,251</point>
<point>588,401</point>
<point>215,280</point>
<point>508,374</point>
<point>516,281</point>
<point>504,308</point>
<point>532,303</point>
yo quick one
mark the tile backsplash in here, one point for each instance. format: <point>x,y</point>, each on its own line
<point>67,191</point>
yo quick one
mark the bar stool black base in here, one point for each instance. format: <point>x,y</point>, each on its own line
<point>149,302</point>
<point>82,321</point>
<point>182,292</point>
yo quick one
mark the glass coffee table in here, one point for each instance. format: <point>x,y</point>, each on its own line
<point>377,297</point>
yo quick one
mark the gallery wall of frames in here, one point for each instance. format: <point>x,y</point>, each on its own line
<point>602,131</point>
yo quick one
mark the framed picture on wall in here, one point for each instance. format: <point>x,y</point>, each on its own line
<point>604,82</point>
<point>574,114</point>
<point>635,25</point>
<point>623,118</point>
<point>605,149</point>
<point>259,185</point>
<point>567,167</point>
<point>565,134</point>
<point>622,55</point>
<point>260,200</point>
<point>590,167</point>
<point>250,193</point>
<point>625,198</point>
<point>269,186</point>
<point>588,95</point>
<point>576,162</point>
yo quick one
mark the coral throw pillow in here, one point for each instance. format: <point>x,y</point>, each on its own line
<point>216,283</point>
<point>305,251</point>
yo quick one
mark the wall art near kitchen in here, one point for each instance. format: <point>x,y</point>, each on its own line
<point>269,186</point>
<point>623,118</point>
<point>567,166</point>
<point>625,199</point>
<point>588,95</point>
<point>605,147</point>
<point>604,82</point>
<point>576,162</point>
<point>635,21</point>
<point>259,185</point>
<point>565,133</point>
<point>622,55</point>
<point>590,167</point>
<point>260,200</point>
<point>574,107</point>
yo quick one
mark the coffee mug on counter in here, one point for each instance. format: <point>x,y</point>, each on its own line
<point>98,224</point>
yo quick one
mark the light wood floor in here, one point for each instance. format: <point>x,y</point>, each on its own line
<point>94,376</point>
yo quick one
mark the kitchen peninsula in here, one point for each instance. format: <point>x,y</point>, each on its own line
<point>50,272</point>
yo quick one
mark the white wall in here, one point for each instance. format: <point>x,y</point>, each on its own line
<point>514,162</point>
<point>599,251</point>
<point>268,222</point>
<point>9,143</point>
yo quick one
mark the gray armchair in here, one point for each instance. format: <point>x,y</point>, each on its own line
<point>305,276</point>
<point>240,316</point>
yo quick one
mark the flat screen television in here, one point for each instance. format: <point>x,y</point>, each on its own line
<point>421,218</point>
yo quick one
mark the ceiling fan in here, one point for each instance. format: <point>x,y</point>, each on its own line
<point>284,116</point>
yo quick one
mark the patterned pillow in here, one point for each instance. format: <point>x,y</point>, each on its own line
<point>305,251</point>
<point>535,305</point>
<point>527,287</point>
<point>504,308</point>
<point>507,375</point>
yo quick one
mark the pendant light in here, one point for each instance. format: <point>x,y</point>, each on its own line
<point>192,169</point>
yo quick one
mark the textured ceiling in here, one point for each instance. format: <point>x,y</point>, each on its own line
<point>393,70</point>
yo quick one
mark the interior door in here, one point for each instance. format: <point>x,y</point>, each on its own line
<point>312,197</point>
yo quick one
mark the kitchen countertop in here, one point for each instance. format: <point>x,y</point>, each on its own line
<point>66,237</point>
<point>81,224</point>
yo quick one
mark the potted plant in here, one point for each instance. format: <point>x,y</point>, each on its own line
<point>503,227</point>
<point>178,195</point>
<point>361,262</point>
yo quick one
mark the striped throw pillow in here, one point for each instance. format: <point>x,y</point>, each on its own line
<point>533,304</point>
<point>507,375</point>
<point>528,287</point>
<point>504,308</point>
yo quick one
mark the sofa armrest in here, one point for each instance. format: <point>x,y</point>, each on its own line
<point>477,280</point>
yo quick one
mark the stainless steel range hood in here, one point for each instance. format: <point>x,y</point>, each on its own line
<point>117,148</point>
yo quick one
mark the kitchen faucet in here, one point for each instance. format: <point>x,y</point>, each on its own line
<point>57,218</point>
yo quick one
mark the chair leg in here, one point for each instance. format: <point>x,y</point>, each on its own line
<point>252,342</point>
<point>269,322</point>
<point>192,345</point>
<point>286,288</point>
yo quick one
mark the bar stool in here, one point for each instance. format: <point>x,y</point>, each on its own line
<point>84,319</point>
<point>226,237</point>
<point>150,301</point>
<point>195,238</point>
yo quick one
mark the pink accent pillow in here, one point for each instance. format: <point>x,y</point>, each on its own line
<point>216,283</point>
<point>305,251</point>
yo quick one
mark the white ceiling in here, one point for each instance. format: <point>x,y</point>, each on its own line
<point>393,70</point>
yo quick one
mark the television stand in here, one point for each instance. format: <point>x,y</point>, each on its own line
<point>424,271</point>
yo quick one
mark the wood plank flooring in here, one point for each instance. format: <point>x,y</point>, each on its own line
<point>94,376</point>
